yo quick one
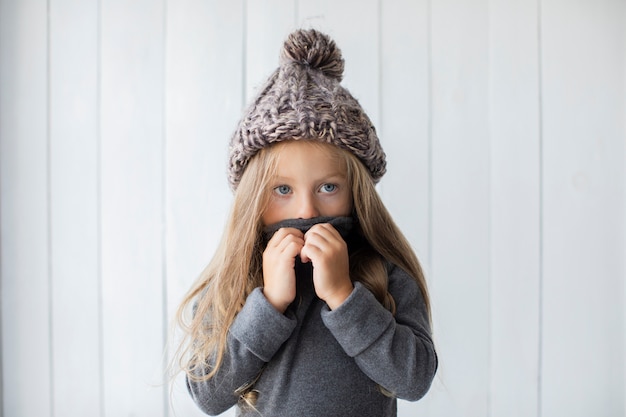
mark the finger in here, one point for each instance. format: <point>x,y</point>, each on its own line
<point>304,255</point>
<point>324,237</point>
<point>279,237</point>
<point>317,247</point>
<point>325,231</point>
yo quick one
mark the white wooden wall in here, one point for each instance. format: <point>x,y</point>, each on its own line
<point>504,122</point>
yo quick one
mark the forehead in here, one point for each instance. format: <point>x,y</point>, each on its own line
<point>301,154</point>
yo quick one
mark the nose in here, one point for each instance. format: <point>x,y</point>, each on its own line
<point>307,207</point>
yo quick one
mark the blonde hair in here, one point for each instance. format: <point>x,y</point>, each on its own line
<point>236,268</point>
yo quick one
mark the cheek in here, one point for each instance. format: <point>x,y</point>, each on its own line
<point>343,206</point>
<point>269,214</point>
<point>276,211</point>
<point>348,208</point>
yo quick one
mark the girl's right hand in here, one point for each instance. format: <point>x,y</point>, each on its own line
<point>279,261</point>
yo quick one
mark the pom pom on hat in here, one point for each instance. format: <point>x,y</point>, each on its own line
<point>315,50</point>
<point>303,100</point>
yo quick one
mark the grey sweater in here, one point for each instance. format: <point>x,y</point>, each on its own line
<point>318,362</point>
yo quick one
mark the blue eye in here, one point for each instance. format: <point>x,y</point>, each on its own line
<point>282,190</point>
<point>328,188</point>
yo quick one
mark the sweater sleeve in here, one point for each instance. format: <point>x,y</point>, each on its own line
<point>255,336</point>
<point>395,352</point>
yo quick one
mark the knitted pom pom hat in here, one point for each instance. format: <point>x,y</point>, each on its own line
<point>303,100</point>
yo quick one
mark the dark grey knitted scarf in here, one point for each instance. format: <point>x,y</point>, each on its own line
<point>344,225</point>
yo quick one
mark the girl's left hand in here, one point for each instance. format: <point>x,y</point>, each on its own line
<point>326,249</point>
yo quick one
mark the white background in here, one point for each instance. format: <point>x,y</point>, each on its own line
<point>504,126</point>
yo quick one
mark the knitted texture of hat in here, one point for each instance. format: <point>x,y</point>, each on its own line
<point>304,100</point>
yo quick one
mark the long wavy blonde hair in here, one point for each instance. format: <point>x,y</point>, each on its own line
<point>210,306</point>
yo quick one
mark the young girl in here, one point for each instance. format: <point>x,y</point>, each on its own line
<point>314,304</point>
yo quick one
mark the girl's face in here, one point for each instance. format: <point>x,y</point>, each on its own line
<point>311,180</point>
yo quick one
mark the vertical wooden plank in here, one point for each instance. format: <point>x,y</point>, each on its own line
<point>267,25</point>
<point>583,207</point>
<point>359,41</point>
<point>405,118</point>
<point>74,207</point>
<point>132,85</point>
<point>460,205</point>
<point>405,130</point>
<point>622,35</point>
<point>24,209</point>
<point>515,207</point>
<point>204,89</point>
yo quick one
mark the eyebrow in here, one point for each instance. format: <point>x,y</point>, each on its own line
<point>334,175</point>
